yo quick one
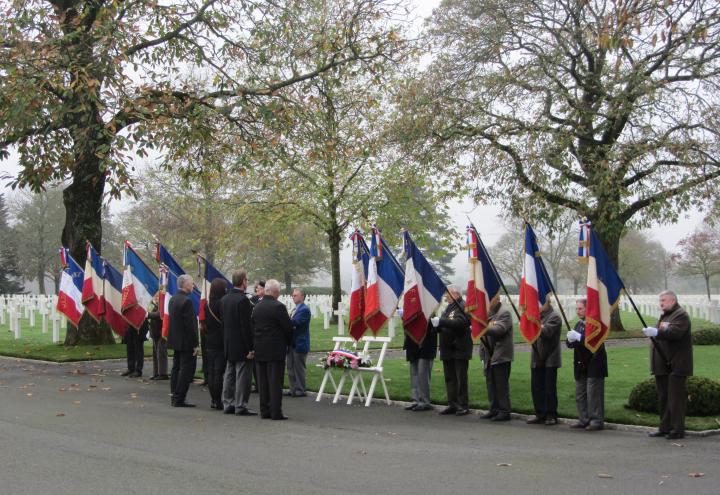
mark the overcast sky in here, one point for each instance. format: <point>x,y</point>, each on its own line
<point>484,217</point>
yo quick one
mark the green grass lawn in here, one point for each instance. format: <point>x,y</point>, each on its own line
<point>628,366</point>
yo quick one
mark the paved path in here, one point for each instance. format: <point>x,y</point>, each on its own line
<point>81,428</point>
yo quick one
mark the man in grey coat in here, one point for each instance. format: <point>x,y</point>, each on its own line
<point>671,361</point>
<point>545,360</point>
<point>496,354</point>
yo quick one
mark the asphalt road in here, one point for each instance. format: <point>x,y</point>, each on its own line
<point>82,429</point>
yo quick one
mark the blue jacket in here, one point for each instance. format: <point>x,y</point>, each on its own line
<point>301,329</point>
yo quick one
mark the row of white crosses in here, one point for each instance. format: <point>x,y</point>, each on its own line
<point>27,306</point>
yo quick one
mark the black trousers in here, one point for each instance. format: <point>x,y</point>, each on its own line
<point>203,353</point>
<point>497,378</point>
<point>270,375</point>
<point>672,402</point>
<point>456,382</point>
<point>182,373</point>
<point>543,383</point>
<point>216,371</point>
<point>135,351</point>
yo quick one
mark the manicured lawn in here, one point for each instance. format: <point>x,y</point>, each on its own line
<point>628,366</point>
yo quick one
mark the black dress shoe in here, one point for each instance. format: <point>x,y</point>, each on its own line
<point>288,394</point>
<point>656,434</point>
<point>126,373</point>
<point>489,415</point>
<point>279,418</point>
<point>551,421</point>
<point>501,417</point>
<point>462,412</point>
<point>448,410</point>
<point>135,374</point>
<point>410,407</point>
<point>163,377</point>
<point>535,420</point>
<point>184,404</point>
<point>300,395</point>
<point>424,407</point>
<point>579,426</point>
<point>594,427</point>
<point>264,416</point>
<point>675,436</point>
<point>154,377</point>
<point>245,412</point>
<point>229,410</point>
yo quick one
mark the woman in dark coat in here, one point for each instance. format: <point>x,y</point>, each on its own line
<point>214,341</point>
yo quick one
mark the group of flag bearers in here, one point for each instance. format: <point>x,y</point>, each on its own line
<point>381,285</point>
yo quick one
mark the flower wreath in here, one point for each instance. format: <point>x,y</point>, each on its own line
<point>343,358</point>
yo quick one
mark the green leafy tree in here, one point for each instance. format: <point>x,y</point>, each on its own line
<point>608,109</point>
<point>88,84</point>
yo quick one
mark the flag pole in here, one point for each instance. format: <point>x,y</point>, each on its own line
<point>547,277</point>
<point>494,269</point>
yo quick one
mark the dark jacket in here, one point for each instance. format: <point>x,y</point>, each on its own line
<point>214,339</point>
<point>183,329</point>
<point>155,322</point>
<point>237,325</point>
<point>675,344</point>
<point>301,329</point>
<point>546,349</point>
<point>273,329</point>
<point>496,345</point>
<point>585,363</point>
<point>427,349</point>
<point>454,333</point>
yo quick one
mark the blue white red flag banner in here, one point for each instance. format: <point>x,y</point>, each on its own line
<point>361,259</point>
<point>140,284</point>
<point>209,274</point>
<point>385,281</point>
<point>483,287</point>
<point>423,291</point>
<point>604,288</point>
<point>112,295</point>
<point>535,288</point>
<point>69,300</point>
<point>174,270</point>
<point>584,242</point>
<point>164,299</point>
<point>93,284</point>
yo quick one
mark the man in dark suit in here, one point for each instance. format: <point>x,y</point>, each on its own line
<point>456,346</point>
<point>545,359</point>
<point>183,339</point>
<point>671,361</point>
<point>300,346</point>
<point>420,358</point>
<point>496,353</point>
<point>273,334</point>
<point>590,370</point>
<point>239,347</point>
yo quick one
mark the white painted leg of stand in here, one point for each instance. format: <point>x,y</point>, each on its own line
<point>391,327</point>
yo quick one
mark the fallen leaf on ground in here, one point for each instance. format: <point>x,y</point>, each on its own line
<point>61,389</point>
<point>696,475</point>
<point>60,414</point>
<point>604,475</point>
<point>503,464</point>
<point>29,394</point>
<point>361,452</point>
<point>677,444</point>
<point>77,401</point>
<point>105,389</point>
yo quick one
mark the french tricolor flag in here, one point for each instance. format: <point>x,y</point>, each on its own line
<point>170,270</point>
<point>112,295</point>
<point>139,286</point>
<point>69,300</point>
<point>483,286</point>
<point>423,291</point>
<point>361,259</point>
<point>535,288</point>
<point>385,282</point>
<point>93,284</point>
<point>209,274</point>
<point>604,288</point>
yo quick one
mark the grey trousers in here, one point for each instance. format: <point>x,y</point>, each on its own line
<point>237,384</point>
<point>590,400</point>
<point>420,372</point>
<point>296,371</point>
<point>160,357</point>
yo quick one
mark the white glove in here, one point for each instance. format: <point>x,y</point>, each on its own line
<point>650,331</point>
<point>573,336</point>
<point>435,321</point>
<point>399,312</point>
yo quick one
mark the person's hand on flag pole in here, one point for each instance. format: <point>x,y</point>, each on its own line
<point>435,321</point>
<point>573,336</point>
<point>650,332</point>
<point>399,312</point>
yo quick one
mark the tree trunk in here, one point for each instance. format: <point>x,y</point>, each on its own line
<point>288,281</point>
<point>334,243</point>
<point>83,215</point>
<point>707,286</point>
<point>41,280</point>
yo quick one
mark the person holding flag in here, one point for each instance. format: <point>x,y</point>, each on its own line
<point>540,326</point>
<point>496,354</point>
